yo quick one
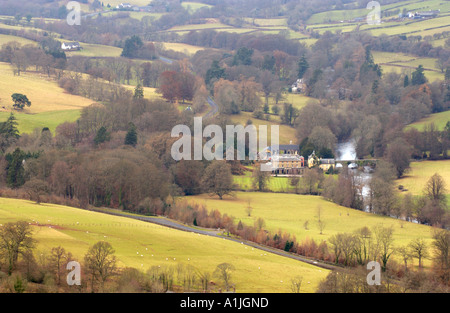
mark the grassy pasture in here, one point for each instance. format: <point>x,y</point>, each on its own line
<point>420,27</point>
<point>182,47</point>
<point>439,119</point>
<point>8,38</point>
<point>265,22</point>
<point>420,172</point>
<point>95,50</point>
<point>276,184</point>
<point>45,94</point>
<point>409,5</point>
<point>142,245</point>
<point>400,62</point>
<point>289,212</point>
<point>194,6</point>
<point>28,122</point>
<point>287,133</point>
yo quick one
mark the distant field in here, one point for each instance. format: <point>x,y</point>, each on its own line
<point>142,245</point>
<point>194,6</point>
<point>400,62</point>
<point>416,179</point>
<point>45,94</point>
<point>289,212</point>
<point>409,5</point>
<point>421,27</point>
<point>94,50</point>
<point>438,119</point>
<point>8,38</point>
<point>182,47</point>
<point>28,122</point>
<point>264,22</point>
<point>276,184</point>
<point>287,133</point>
<point>149,93</point>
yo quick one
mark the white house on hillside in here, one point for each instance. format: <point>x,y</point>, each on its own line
<point>70,46</point>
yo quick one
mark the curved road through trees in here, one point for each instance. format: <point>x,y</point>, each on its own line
<point>162,221</point>
<point>214,107</point>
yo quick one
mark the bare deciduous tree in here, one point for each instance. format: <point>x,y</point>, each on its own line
<point>419,250</point>
<point>15,239</point>
<point>223,271</point>
<point>100,262</point>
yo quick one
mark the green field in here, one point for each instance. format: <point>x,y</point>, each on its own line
<point>275,184</point>
<point>182,47</point>
<point>94,50</point>
<point>32,85</point>
<point>194,6</point>
<point>415,179</point>
<point>48,109</point>
<point>409,5</point>
<point>404,63</point>
<point>289,212</point>
<point>28,122</point>
<point>8,38</point>
<point>287,133</point>
<point>438,119</point>
<point>142,245</point>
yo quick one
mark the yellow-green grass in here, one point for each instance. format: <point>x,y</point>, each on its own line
<point>190,27</point>
<point>401,62</point>
<point>388,57</point>
<point>44,93</point>
<point>417,177</point>
<point>421,27</point>
<point>409,5</point>
<point>28,122</point>
<point>308,41</point>
<point>143,245</point>
<point>275,184</point>
<point>438,119</point>
<point>182,47</point>
<point>213,26</point>
<point>438,42</point>
<point>8,38</point>
<point>94,50</point>
<point>298,100</point>
<point>431,75</point>
<point>194,6</point>
<point>265,22</point>
<point>286,133</point>
<point>140,15</point>
<point>149,92</point>
<point>289,212</point>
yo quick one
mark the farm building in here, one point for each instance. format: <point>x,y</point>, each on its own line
<point>324,164</point>
<point>70,46</point>
<point>299,86</point>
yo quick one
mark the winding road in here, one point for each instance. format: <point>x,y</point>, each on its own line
<point>162,221</point>
<point>214,107</point>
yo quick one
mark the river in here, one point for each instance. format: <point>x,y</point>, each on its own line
<point>347,151</point>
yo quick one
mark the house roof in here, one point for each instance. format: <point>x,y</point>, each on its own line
<point>287,158</point>
<point>283,147</point>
